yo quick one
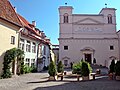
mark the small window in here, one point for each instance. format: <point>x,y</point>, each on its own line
<point>65,47</point>
<point>32,62</point>
<point>27,62</point>
<point>65,18</point>
<point>109,19</point>
<point>12,39</point>
<point>111,47</point>
<point>34,48</point>
<point>21,45</point>
<point>28,45</point>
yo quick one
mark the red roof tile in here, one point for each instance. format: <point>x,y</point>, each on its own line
<point>7,12</point>
<point>24,21</point>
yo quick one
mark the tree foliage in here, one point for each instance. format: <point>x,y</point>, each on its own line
<point>9,57</point>
<point>60,67</point>
<point>52,69</point>
<point>85,70</point>
<point>117,68</point>
<point>112,66</point>
<point>81,68</point>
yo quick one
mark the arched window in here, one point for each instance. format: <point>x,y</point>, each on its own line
<point>109,19</point>
<point>65,18</point>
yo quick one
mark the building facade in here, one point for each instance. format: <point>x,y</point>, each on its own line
<point>9,28</point>
<point>17,32</point>
<point>35,45</point>
<point>55,49</point>
<point>88,36</point>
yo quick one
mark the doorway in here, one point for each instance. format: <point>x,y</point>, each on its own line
<point>88,58</point>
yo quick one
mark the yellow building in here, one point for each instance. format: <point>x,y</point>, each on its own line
<point>9,29</point>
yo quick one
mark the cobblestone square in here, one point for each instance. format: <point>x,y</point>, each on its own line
<point>39,81</point>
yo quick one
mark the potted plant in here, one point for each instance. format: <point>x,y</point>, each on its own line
<point>85,71</point>
<point>117,70</point>
<point>52,71</point>
<point>112,69</point>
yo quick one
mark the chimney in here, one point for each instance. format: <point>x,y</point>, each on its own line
<point>34,23</point>
<point>15,9</point>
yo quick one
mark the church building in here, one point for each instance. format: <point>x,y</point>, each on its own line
<point>91,37</point>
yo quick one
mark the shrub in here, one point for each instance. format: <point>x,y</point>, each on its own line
<point>85,70</point>
<point>112,66</point>
<point>27,69</point>
<point>60,67</point>
<point>52,69</point>
<point>77,68</point>
<point>89,67</point>
<point>117,68</point>
<point>33,69</point>
<point>7,74</point>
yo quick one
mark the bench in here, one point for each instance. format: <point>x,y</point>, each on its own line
<point>69,75</point>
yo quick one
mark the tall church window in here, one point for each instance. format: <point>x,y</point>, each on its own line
<point>109,19</point>
<point>65,18</point>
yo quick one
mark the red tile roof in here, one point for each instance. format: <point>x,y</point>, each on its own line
<point>24,21</point>
<point>7,12</point>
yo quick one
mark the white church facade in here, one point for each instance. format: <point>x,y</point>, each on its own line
<point>88,36</point>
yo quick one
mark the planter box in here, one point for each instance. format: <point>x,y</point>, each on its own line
<point>117,77</point>
<point>110,76</point>
<point>85,77</point>
<point>51,78</point>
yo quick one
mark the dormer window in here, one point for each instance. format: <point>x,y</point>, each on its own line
<point>65,18</point>
<point>109,19</point>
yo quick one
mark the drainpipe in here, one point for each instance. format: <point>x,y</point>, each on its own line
<point>19,34</point>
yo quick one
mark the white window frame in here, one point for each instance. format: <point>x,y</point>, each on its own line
<point>28,46</point>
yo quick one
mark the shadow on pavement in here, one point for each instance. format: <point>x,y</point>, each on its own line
<point>98,84</point>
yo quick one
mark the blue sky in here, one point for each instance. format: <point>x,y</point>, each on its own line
<point>46,15</point>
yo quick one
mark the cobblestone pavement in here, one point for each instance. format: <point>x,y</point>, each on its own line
<point>39,81</point>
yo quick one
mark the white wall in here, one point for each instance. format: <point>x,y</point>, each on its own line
<point>88,30</point>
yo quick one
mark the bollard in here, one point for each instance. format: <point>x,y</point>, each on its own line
<point>61,78</point>
<point>93,77</point>
<point>78,78</point>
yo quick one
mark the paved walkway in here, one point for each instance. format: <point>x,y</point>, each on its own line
<point>39,81</point>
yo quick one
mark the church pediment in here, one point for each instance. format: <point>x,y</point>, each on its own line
<point>87,49</point>
<point>65,58</point>
<point>87,21</point>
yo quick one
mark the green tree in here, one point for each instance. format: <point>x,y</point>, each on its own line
<point>9,57</point>
<point>112,66</point>
<point>77,68</point>
<point>117,68</point>
<point>60,67</point>
<point>85,70</point>
<point>52,69</point>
